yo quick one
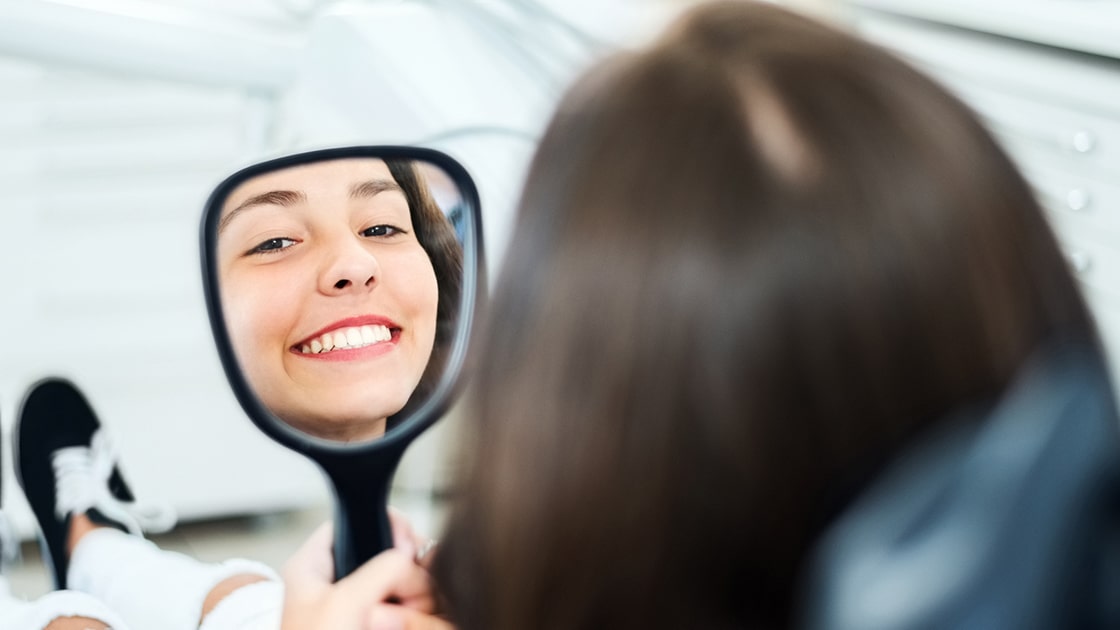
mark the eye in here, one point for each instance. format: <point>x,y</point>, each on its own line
<point>382,230</point>
<point>272,245</point>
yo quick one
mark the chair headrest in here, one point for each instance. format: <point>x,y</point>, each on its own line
<point>1002,523</point>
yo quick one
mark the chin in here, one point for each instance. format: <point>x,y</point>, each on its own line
<point>364,412</point>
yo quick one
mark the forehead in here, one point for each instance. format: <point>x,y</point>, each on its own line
<point>320,179</point>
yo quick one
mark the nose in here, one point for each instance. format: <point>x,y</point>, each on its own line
<point>350,268</point>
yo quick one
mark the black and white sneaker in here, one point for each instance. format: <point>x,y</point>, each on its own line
<point>66,465</point>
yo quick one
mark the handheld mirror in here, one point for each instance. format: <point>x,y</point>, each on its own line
<point>342,285</point>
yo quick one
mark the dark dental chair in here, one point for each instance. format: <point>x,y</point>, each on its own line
<point>1010,523</point>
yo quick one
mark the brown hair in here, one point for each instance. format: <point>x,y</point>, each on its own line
<point>437,237</point>
<point>751,264</point>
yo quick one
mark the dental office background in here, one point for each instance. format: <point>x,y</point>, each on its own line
<point>117,117</point>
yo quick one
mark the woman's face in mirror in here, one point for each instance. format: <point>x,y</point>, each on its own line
<point>330,300</point>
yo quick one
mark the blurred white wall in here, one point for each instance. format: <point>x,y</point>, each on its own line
<point>117,117</point>
<point>115,121</point>
<point>1044,77</point>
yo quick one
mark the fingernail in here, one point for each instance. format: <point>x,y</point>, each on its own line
<point>428,547</point>
<point>386,620</point>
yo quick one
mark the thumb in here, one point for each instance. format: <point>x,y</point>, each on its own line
<point>312,565</point>
<point>404,537</point>
<point>390,574</point>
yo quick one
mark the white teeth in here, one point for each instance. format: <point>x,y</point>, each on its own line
<point>354,337</point>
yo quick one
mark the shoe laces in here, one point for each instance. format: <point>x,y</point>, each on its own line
<point>82,484</point>
<point>9,545</point>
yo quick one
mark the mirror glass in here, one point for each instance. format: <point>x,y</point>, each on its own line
<point>340,281</point>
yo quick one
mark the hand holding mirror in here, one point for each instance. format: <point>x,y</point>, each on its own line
<point>342,286</point>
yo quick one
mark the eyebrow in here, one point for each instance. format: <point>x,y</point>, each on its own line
<point>374,187</point>
<point>287,198</point>
<point>273,197</point>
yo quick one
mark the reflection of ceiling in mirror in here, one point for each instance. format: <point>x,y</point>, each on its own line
<point>443,188</point>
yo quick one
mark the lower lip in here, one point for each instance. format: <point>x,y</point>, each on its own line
<point>351,354</point>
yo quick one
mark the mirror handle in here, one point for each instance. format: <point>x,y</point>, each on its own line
<point>361,516</point>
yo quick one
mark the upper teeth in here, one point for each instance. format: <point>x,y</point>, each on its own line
<point>347,338</point>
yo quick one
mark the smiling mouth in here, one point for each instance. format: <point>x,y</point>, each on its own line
<point>349,338</point>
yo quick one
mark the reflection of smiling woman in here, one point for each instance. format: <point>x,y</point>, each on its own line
<point>338,280</point>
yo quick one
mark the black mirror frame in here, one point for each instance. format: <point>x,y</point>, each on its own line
<point>321,450</point>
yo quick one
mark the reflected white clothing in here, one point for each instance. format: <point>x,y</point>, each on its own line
<point>17,614</point>
<point>153,588</point>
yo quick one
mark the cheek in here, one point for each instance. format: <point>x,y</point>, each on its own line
<point>259,311</point>
<point>423,290</point>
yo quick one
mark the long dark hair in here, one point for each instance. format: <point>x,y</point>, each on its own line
<point>437,237</point>
<point>751,264</point>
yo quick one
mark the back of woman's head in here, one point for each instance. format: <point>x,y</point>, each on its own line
<point>751,264</point>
